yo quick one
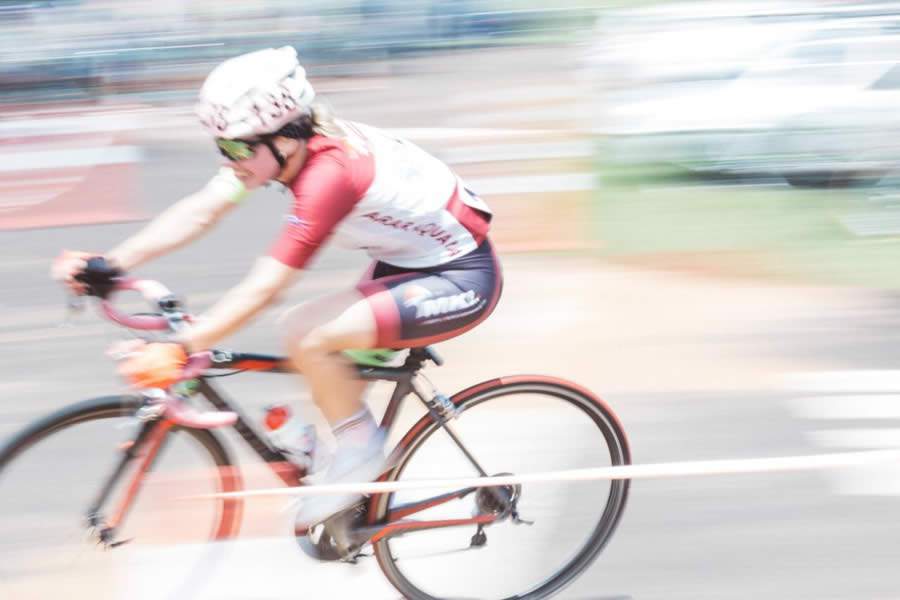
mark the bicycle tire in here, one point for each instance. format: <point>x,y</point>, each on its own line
<point>229,510</point>
<point>596,408</point>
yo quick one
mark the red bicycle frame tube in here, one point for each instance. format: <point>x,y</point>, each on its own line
<point>397,527</point>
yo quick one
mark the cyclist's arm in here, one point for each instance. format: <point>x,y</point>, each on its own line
<point>262,286</point>
<point>181,223</point>
<point>325,194</point>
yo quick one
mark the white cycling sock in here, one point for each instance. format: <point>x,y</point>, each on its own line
<point>355,430</point>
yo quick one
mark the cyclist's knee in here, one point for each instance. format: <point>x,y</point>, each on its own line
<point>306,346</point>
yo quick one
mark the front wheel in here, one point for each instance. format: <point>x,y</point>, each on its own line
<point>52,472</point>
<point>511,425</point>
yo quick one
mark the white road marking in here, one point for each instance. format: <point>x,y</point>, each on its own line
<point>860,406</point>
<point>837,382</point>
<point>68,158</point>
<point>22,201</point>
<point>104,122</point>
<point>78,111</point>
<point>67,181</point>
<point>777,464</point>
<point>853,399</point>
<point>869,438</point>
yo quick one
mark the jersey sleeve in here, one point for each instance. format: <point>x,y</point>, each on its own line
<point>324,194</point>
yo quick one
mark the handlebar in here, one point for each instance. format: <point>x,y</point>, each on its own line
<point>173,318</point>
<point>156,294</point>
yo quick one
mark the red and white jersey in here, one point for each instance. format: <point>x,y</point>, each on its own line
<point>384,195</point>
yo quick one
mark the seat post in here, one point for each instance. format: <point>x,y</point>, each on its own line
<point>416,359</point>
<point>418,356</point>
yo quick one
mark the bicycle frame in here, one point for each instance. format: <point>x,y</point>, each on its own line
<point>152,436</point>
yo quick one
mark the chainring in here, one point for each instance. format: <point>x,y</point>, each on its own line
<point>318,542</point>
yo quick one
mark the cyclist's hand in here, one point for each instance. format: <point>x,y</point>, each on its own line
<point>154,365</point>
<point>84,273</point>
<point>66,266</point>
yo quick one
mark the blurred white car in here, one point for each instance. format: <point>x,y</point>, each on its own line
<point>688,41</point>
<point>816,112</point>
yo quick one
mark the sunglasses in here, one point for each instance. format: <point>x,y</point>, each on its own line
<point>236,149</point>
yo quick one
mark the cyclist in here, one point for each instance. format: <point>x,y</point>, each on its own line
<point>434,275</point>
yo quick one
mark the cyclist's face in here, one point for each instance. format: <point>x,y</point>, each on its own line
<point>253,163</point>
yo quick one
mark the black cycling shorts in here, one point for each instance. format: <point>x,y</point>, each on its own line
<point>416,307</point>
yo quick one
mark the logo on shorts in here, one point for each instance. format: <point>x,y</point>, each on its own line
<point>413,295</point>
<point>436,307</point>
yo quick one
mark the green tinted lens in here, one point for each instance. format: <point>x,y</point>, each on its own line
<point>235,149</point>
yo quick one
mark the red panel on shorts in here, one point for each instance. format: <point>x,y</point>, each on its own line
<point>476,222</point>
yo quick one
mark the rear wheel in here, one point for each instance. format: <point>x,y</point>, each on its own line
<point>52,472</point>
<point>513,425</point>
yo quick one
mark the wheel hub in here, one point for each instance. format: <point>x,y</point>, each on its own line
<point>498,500</point>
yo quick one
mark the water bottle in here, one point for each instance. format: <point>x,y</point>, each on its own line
<point>292,436</point>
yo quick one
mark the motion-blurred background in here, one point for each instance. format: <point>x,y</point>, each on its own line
<point>734,118</point>
<point>697,208</point>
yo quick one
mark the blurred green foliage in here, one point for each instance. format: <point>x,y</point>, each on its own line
<point>657,215</point>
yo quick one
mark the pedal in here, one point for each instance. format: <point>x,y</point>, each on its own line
<point>343,531</point>
<point>354,558</point>
<point>479,539</point>
<point>338,538</point>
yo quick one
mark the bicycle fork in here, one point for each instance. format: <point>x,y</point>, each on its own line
<point>144,448</point>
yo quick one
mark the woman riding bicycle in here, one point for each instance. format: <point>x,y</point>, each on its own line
<point>434,276</point>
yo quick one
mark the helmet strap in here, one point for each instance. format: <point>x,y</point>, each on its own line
<point>275,152</point>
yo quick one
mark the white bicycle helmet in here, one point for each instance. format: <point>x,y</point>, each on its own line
<point>254,94</point>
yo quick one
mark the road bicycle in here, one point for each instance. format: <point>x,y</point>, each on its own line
<point>544,535</point>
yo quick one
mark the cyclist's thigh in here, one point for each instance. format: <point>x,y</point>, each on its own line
<point>339,321</point>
